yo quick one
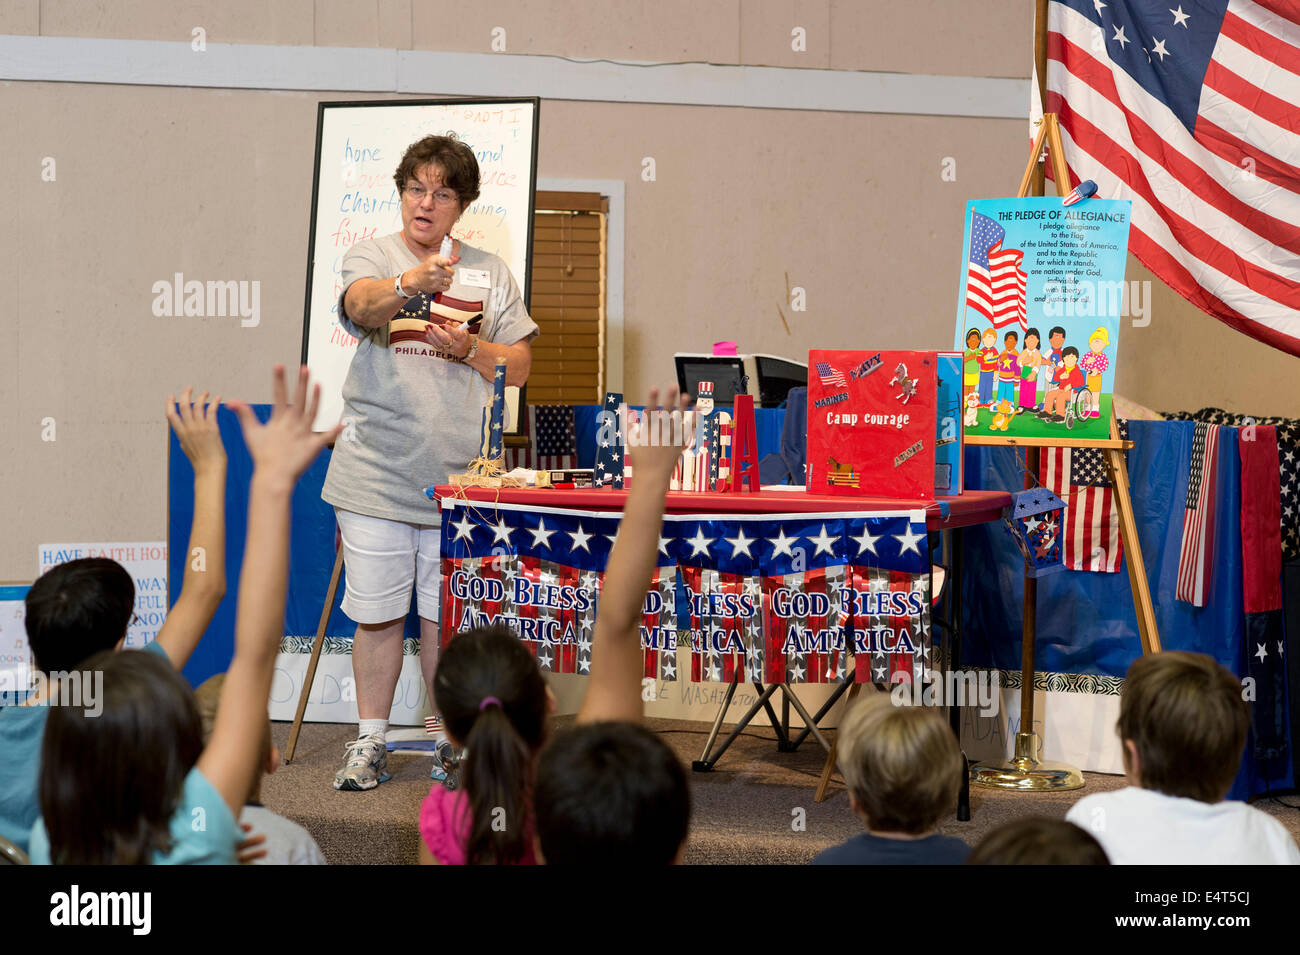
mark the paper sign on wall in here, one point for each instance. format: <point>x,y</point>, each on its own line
<point>146,562</point>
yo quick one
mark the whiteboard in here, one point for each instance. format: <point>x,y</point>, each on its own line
<point>354,198</point>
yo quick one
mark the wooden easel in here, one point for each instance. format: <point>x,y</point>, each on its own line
<point>315,655</point>
<point>1049,133</point>
<point>1026,756</point>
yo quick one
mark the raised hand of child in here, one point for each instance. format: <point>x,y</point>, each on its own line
<point>195,424</point>
<point>285,446</point>
<point>656,442</point>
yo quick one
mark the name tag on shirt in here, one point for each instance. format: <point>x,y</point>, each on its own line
<point>474,278</point>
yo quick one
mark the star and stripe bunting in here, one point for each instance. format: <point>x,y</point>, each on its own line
<point>1191,113</point>
<point>772,598</point>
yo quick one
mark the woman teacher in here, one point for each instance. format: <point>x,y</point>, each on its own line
<point>412,414</point>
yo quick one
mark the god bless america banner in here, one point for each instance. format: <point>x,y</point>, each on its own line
<point>773,598</point>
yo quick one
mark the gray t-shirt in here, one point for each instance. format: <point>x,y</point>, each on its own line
<point>410,416</point>
<point>287,843</point>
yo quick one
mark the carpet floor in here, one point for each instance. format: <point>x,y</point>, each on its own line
<point>746,811</point>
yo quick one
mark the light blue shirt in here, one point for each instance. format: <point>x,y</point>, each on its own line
<point>22,732</point>
<point>203,830</point>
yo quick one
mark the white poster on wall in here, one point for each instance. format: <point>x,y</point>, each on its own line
<point>145,561</point>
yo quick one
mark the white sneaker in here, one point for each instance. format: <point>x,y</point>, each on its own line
<point>366,766</point>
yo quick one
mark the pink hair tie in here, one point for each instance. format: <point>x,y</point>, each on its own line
<point>489,701</point>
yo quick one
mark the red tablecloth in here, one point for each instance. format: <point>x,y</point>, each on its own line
<point>970,507</point>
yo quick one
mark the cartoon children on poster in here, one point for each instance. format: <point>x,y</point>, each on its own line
<point>1030,360</point>
<point>1039,307</point>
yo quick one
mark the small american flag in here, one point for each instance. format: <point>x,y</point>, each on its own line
<point>1191,112</point>
<point>995,283</point>
<point>829,375</point>
<point>1078,476</point>
<point>1195,556</point>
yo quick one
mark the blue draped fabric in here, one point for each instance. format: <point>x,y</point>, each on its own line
<point>311,548</point>
<point>1085,621</point>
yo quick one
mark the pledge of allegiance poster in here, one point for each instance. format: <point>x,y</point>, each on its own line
<point>1038,315</point>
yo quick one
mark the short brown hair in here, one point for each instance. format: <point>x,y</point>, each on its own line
<point>1038,841</point>
<point>1186,716</point>
<point>454,160</point>
<point>901,763</point>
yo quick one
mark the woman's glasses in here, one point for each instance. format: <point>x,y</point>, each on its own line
<point>416,193</point>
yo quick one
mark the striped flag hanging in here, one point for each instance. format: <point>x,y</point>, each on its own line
<point>552,440</point>
<point>1191,113</point>
<point>1196,555</point>
<point>1078,476</point>
<point>995,282</point>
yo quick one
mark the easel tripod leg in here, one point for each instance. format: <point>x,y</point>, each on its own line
<point>315,656</point>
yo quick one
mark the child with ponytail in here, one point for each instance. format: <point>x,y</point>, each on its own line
<point>495,702</point>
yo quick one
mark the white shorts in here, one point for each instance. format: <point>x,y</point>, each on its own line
<point>383,559</point>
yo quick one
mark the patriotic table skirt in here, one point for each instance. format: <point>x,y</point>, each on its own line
<point>799,598</point>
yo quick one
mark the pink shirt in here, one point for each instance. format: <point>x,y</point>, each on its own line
<point>445,824</point>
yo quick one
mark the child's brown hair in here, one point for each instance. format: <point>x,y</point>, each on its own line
<point>901,763</point>
<point>1038,841</point>
<point>1186,717</point>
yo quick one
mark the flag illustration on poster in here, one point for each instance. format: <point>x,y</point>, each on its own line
<point>1196,553</point>
<point>889,599</point>
<point>995,282</point>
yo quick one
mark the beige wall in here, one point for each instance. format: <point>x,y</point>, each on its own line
<point>216,184</point>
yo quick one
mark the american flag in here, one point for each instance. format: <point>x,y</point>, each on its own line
<point>552,440</point>
<point>1079,477</point>
<point>995,283</point>
<point>829,375</point>
<point>1195,555</point>
<point>1190,112</point>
